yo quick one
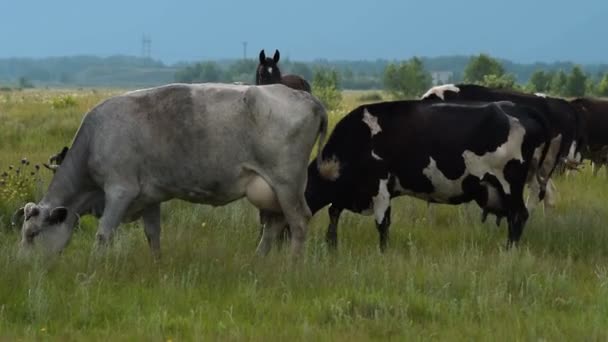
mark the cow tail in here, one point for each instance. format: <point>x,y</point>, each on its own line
<point>322,135</point>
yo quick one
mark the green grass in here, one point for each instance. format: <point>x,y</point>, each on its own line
<point>445,276</point>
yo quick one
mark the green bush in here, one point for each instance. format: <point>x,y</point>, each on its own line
<point>370,97</point>
<point>63,101</point>
<point>506,81</point>
<point>325,86</point>
<point>407,79</point>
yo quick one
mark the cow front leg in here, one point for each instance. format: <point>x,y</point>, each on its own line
<point>151,218</point>
<point>118,200</point>
<point>297,214</point>
<point>516,220</point>
<point>332,230</point>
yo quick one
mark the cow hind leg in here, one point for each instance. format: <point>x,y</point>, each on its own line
<point>383,227</point>
<point>297,214</point>
<point>332,230</point>
<point>151,218</point>
<point>273,224</point>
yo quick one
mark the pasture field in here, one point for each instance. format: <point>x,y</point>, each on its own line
<point>445,276</point>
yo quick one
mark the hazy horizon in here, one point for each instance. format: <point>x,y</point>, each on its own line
<point>520,31</point>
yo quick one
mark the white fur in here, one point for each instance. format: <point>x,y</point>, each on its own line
<point>444,187</point>
<point>269,70</point>
<point>372,122</point>
<point>476,165</point>
<point>573,156</point>
<point>494,200</point>
<point>440,90</point>
<point>540,94</point>
<point>375,156</point>
<point>381,201</point>
<point>494,162</point>
<point>330,169</point>
<point>551,157</point>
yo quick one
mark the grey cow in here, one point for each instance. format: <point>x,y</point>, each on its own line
<point>204,143</point>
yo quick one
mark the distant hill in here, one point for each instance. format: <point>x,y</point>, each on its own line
<point>86,71</point>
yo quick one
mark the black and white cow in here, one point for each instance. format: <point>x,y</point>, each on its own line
<point>439,152</point>
<point>565,124</point>
<point>594,113</point>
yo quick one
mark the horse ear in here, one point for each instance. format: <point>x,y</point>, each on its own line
<point>262,57</point>
<point>276,57</point>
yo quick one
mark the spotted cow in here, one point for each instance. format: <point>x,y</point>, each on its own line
<point>565,126</point>
<point>595,116</point>
<point>438,152</point>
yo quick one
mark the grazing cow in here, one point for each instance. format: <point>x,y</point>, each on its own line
<point>439,152</point>
<point>595,116</point>
<point>268,72</point>
<point>203,143</point>
<point>566,130</point>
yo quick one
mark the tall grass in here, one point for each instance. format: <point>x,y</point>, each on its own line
<point>445,276</point>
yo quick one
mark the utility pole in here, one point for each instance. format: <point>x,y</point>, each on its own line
<point>244,50</point>
<point>146,46</point>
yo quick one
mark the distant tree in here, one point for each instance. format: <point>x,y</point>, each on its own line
<point>576,83</point>
<point>506,81</point>
<point>242,70</point>
<point>539,82</point>
<point>558,83</point>
<point>480,66</point>
<point>407,79</point>
<point>326,86</point>
<point>590,86</point>
<point>602,86</point>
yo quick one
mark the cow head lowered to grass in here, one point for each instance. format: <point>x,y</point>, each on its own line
<point>438,152</point>
<point>202,143</point>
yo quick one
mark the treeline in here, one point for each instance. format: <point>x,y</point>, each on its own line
<point>131,71</point>
<point>408,78</point>
<point>411,78</point>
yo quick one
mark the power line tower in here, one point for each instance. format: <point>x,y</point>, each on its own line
<point>146,46</point>
<point>244,50</point>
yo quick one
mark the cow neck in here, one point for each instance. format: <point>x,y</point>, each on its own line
<point>70,185</point>
<point>66,187</point>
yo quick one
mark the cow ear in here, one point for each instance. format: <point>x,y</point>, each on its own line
<point>17,216</point>
<point>262,57</point>
<point>276,57</point>
<point>58,215</point>
<point>51,167</point>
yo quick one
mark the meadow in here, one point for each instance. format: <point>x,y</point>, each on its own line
<point>445,276</point>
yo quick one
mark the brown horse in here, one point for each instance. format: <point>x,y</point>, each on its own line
<point>268,72</point>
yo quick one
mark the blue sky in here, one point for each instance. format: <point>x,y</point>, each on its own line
<point>521,30</point>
